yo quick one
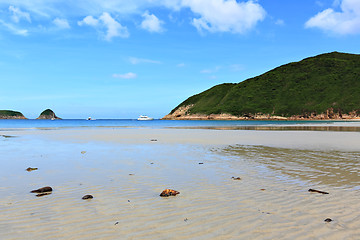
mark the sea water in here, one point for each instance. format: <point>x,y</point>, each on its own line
<point>74,123</point>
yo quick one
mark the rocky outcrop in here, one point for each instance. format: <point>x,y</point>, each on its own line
<point>183,113</point>
<point>9,114</point>
<point>48,114</point>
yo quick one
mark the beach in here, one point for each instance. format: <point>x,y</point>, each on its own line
<point>126,169</point>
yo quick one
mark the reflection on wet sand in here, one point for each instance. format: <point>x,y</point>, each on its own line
<point>335,168</point>
<point>282,128</point>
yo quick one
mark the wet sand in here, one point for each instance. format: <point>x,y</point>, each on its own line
<point>125,172</point>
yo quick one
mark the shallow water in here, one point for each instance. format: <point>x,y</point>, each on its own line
<point>210,206</point>
<point>332,168</point>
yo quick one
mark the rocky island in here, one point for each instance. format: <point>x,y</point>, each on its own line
<point>48,114</point>
<point>323,87</point>
<point>9,114</point>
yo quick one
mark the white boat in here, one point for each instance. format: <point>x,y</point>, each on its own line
<point>144,118</point>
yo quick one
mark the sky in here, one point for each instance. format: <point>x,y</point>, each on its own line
<point>119,59</point>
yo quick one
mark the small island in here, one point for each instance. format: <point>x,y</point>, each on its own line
<point>48,114</point>
<point>324,87</point>
<point>9,114</point>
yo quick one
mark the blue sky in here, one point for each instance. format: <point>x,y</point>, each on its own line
<point>115,59</point>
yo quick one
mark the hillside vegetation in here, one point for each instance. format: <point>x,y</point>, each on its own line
<point>48,114</point>
<point>315,85</point>
<point>9,114</point>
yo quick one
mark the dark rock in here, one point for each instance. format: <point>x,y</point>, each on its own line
<point>235,178</point>
<point>87,197</point>
<point>153,140</point>
<point>201,163</point>
<point>43,194</point>
<point>169,192</point>
<point>328,220</point>
<point>29,169</point>
<point>317,191</point>
<point>42,190</point>
<point>7,136</point>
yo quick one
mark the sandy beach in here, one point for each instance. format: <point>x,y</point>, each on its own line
<point>125,169</point>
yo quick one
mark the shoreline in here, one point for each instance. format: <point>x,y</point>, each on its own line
<point>258,118</point>
<point>183,113</point>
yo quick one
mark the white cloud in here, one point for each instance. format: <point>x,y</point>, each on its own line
<point>112,27</point>
<point>206,71</point>
<point>235,16</point>
<point>280,22</point>
<point>151,23</point>
<point>61,23</point>
<point>129,75</point>
<point>89,20</point>
<point>13,29</point>
<point>181,65</point>
<point>17,14</point>
<point>346,21</point>
<point>237,67</point>
<point>225,15</point>
<point>213,70</point>
<point>134,60</point>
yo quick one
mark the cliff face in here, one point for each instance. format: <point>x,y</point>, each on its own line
<point>9,114</point>
<point>48,114</point>
<point>326,86</point>
<point>182,114</point>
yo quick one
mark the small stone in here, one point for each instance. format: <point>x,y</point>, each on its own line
<point>116,223</point>
<point>169,192</point>
<point>201,163</point>
<point>29,169</point>
<point>41,190</point>
<point>131,174</point>
<point>328,220</point>
<point>263,189</point>
<point>43,194</point>
<point>235,178</point>
<point>153,140</point>
<point>317,191</point>
<point>87,197</point>
<point>7,136</point>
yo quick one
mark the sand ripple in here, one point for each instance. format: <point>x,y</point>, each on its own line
<point>270,202</point>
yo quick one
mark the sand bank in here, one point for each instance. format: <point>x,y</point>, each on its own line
<point>322,140</point>
<point>270,201</point>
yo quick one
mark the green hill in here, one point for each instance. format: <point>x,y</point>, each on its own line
<point>48,114</point>
<point>324,86</point>
<point>9,114</point>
